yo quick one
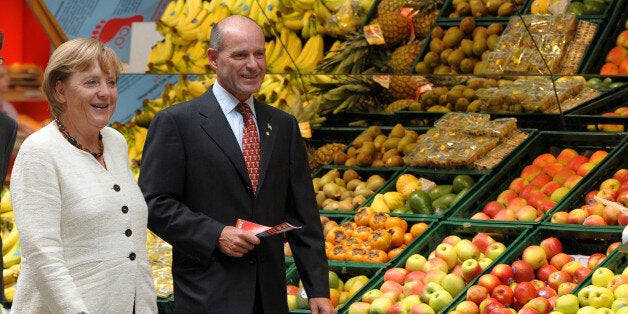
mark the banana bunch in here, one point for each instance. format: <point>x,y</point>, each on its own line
<point>5,202</point>
<point>310,56</point>
<point>284,52</point>
<point>9,275</point>
<point>185,89</point>
<point>11,251</point>
<point>135,138</point>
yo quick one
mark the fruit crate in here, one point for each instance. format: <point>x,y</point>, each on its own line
<point>440,177</point>
<point>576,241</point>
<point>589,116</point>
<point>508,235</point>
<point>449,8</point>
<point>344,272</point>
<point>576,199</point>
<point>543,142</point>
<point>449,79</point>
<point>605,15</point>
<point>353,119</point>
<point>607,38</point>
<point>387,174</point>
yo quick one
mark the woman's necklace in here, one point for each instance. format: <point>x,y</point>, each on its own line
<point>76,144</point>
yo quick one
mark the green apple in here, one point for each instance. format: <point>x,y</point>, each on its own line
<point>415,262</point>
<point>440,299</point>
<point>583,295</point>
<point>567,304</point>
<point>448,253</point>
<point>601,297</point>
<point>423,308</point>
<point>559,194</point>
<point>371,295</point>
<point>359,308</point>
<point>586,310</point>
<point>619,303</point>
<point>621,291</point>
<point>601,276</point>
<point>465,249</point>
<point>429,289</point>
<point>453,283</point>
<point>411,300</point>
<point>623,310</point>
<point>381,305</point>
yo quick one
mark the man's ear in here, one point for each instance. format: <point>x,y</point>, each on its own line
<point>212,56</point>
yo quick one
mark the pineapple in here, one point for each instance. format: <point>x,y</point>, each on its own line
<point>405,86</point>
<point>401,104</point>
<point>402,59</point>
<point>324,155</point>
<point>423,23</point>
<point>394,27</point>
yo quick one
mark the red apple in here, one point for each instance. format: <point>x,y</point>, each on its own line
<point>594,220</point>
<point>492,208</point>
<point>576,216</point>
<point>504,272</point>
<point>396,274</point>
<point>468,307</point>
<point>623,67</point>
<point>524,291</point>
<point>447,252</point>
<point>414,287</point>
<point>550,187</point>
<point>575,162</point>
<point>581,273</point>
<point>571,267</point>
<point>566,288</point>
<point>435,263</point>
<point>572,181</point>
<point>610,215</point>
<point>477,294</point>
<point>505,214</point>
<point>616,55</point>
<point>546,292</point>
<point>489,304</point>
<point>589,198</point>
<point>559,260</point>
<point>542,305</point>
<point>465,249</point>
<point>482,240</point>
<point>566,155</point>
<point>612,247</point>
<point>522,271</point>
<point>543,272</point>
<point>505,196</point>
<point>609,68</point>
<point>534,255</point>
<point>529,172</point>
<point>516,203</point>
<point>414,275</point>
<point>470,269</point>
<point>598,156</point>
<point>558,277</point>
<point>538,283</point>
<point>552,246</point>
<point>585,168</point>
<point>518,184</point>
<point>560,217</point>
<point>622,197</point>
<point>526,213</point>
<point>621,175</point>
<point>596,208</point>
<point>544,159</point>
<point>617,281</point>
<point>622,219</point>
<point>545,207</point>
<point>595,259</point>
<point>489,281</point>
<point>562,175</point>
<point>527,192</point>
<point>540,180</point>
<point>537,198</point>
<point>607,194</point>
<point>480,216</point>
<point>503,294</point>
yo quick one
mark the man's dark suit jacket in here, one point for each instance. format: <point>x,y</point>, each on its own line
<point>8,131</point>
<point>195,181</point>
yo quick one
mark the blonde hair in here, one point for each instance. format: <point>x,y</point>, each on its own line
<point>76,55</point>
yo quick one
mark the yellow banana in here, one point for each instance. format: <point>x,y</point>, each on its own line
<point>242,7</point>
<point>10,239</point>
<point>166,49</point>
<point>189,31</point>
<point>303,5</point>
<point>5,201</point>
<point>9,293</point>
<point>173,13</point>
<point>322,12</point>
<point>196,88</point>
<point>255,13</point>
<point>293,20</point>
<point>13,256</point>
<point>311,54</point>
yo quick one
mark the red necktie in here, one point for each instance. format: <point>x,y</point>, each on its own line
<point>250,144</point>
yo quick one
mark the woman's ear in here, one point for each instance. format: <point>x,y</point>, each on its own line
<point>60,92</point>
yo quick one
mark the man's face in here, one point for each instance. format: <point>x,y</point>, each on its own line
<point>241,64</point>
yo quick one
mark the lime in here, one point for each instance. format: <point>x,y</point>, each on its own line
<point>576,8</point>
<point>334,281</point>
<point>462,181</point>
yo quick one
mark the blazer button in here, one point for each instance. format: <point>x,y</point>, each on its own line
<point>128,232</point>
<point>125,209</point>
<point>132,256</point>
<point>116,188</point>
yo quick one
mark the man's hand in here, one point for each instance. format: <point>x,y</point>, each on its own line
<point>321,306</point>
<point>236,242</point>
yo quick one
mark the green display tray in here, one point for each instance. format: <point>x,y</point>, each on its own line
<point>448,8</point>
<point>438,176</point>
<point>544,142</point>
<point>508,235</point>
<point>575,240</point>
<point>591,113</point>
<point>576,199</point>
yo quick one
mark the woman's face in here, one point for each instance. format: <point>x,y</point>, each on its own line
<point>90,98</point>
<point>5,80</point>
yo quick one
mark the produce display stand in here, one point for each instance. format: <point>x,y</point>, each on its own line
<point>606,41</point>
<point>590,114</point>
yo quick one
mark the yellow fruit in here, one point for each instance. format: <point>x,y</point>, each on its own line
<point>404,179</point>
<point>394,199</point>
<point>292,302</point>
<point>539,7</point>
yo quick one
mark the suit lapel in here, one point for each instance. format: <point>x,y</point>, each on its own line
<point>215,125</point>
<point>267,138</point>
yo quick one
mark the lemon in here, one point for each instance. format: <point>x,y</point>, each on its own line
<point>539,7</point>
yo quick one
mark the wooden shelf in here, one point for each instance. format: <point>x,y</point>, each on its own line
<point>27,95</point>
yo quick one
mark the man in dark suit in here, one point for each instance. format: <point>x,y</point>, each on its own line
<point>195,180</point>
<point>8,131</point>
